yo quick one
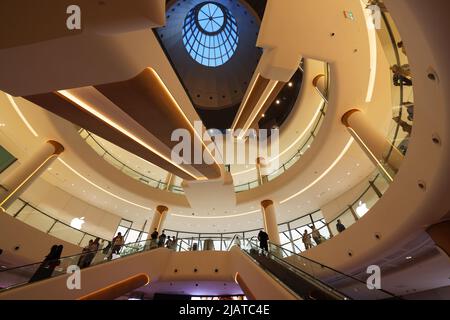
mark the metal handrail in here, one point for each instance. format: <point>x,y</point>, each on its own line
<point>312,134</point>
<point>159,182</point>
<point>305,275</point>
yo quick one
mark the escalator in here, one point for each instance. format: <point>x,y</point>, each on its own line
<point>278,274</point>
<point>303,285</point>
<point>308,279</point>
<point>53,269</point>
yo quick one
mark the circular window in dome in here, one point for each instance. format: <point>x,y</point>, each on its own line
<point>210,34</point>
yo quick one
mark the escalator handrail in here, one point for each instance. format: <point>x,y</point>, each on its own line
<point>310,278</point>
<point>76,255</point>
<point>327,267</point>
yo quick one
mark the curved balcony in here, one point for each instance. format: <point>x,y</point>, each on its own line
<point>113,160</point>
<point>291,232</point>
<point>301,146</point>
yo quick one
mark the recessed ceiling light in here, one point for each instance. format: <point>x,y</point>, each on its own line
<point>408,258</point>
<point>290,84</point>
<point>263,115</point>
<point>277,101</point>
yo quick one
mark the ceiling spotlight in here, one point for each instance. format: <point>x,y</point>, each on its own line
<point>408,258</point>
<point>277,101</point>
<point>263,115</point>
<point>290,84</point>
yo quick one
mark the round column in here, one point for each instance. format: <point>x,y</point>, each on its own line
<point>23,176</point>
<point>169,181</point>
<point>158,220</point>
<point>270,221</point>
<point>261,170</point>
<point>374,144</point>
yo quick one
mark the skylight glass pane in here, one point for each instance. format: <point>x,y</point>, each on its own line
<point>210,34</point>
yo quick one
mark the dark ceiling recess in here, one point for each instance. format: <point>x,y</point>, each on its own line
<point>217,92</point>
<point>282,106</point>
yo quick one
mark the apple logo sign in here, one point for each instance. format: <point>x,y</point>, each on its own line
<point>77,223</point>
<point>361,209</point>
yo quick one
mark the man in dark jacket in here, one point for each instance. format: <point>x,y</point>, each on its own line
<point>263,238</point>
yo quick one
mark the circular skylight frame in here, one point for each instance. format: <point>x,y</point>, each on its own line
<point>210,34</point>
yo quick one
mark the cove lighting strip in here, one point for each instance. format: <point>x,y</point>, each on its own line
<point>343,152</point>
<point>217,217</point>
<point>100,188</point>
<point>119,128</point>
<point>293,143</point>
<point>24,120</point>
<point>184,116</point>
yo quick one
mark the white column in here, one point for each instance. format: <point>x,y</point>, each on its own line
<point>379,150</point>
<point>158,220</point>
<point>270,221</point>
<point>19,179</point>
<point>261,170</point>
<point>170,178</point>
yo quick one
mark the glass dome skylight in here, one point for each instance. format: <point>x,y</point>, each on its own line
<point>210,34</point>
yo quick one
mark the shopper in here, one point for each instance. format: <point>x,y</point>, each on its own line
<point>263,238</point>
<point>306,238</point>
<point>162,240</point>
<point>339,226</point>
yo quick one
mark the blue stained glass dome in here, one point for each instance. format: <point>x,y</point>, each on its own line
<point>210,34</point>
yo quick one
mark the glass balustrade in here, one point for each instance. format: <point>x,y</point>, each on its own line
<point>114,161</point>
<point>342,285</point>
<point>291,232</point>
<point>18,276</point>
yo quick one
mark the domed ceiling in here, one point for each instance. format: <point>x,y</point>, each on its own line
<point>212,46</point>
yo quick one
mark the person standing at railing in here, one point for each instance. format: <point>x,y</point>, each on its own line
<point>84,252</point>
<point>92,251</point>
<point>49,264</point>
<point>117,244</point>
<point>339,226</point>
<point>402,75</point>
<point>154,239</point>
<point>306,238</point>
<point>173,244</point>
<point>162,240</point>
<point>168,242</point>
<point>263,238</point>
<point>316,235</point>
<point>237,241</point>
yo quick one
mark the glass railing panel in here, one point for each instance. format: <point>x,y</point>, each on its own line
<point>35,218</point>
<point>85,241</point>
<point>346,219</point>
<point>23,275</point>
<point>111,160</point>
<point>84,134</point>
<point>325,277</point>
<point>381,184</point>
<point>96,146</point>
<point>15,207</point>
<point>135,175</point>
<point>253,184</point>
<point>365,203</point>
<point>66,233</point>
